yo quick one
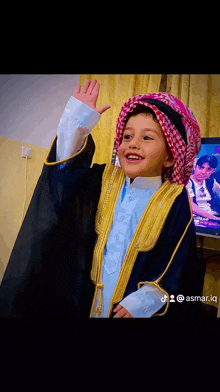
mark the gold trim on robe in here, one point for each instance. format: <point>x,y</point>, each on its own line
<point>64,160</point>
<point>112,181</point>
<point>144,238</point>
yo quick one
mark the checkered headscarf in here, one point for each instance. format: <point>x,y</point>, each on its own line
<point>179,126</point>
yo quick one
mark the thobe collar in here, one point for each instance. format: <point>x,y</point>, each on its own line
<point>197,185</point>
<point>144,182</point>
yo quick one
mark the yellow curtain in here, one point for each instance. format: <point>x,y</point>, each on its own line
<point>115,90</point>
<point>202,94</point>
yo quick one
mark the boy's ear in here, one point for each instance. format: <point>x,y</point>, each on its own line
<point>169,162</point>
<point>170,159</point>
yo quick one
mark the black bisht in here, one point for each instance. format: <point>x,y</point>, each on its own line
<point>49,268</point>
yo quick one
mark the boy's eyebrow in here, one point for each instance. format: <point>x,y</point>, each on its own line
<point>144,129</point>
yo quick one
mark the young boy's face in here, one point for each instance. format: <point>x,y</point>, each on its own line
<point>143,151</point>
<point>203,172</point>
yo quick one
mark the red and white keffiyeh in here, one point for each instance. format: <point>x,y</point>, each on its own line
<point>183,153</point>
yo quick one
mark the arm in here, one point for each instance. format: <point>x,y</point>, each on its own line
<point>76,123</point>
<point>78,119</point>
<point>197,210</point>
<point>74,147</point>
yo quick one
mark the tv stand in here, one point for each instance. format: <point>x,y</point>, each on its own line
<point>205,252</point>
<point>206,255</point>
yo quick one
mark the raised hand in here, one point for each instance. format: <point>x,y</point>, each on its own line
<point>88,94</point>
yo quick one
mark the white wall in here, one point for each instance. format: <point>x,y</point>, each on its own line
<point>31,106</point>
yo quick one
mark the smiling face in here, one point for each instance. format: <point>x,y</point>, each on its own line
<point>143,151</point>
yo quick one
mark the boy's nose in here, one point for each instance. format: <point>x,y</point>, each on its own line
<point>134,143</point>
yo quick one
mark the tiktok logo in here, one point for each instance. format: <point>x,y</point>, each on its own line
<point>164,298</point>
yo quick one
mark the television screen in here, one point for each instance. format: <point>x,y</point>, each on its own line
<point>204,188</point>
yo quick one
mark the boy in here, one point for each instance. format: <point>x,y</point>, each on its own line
<point>204,191</point>
<point>126,232</point>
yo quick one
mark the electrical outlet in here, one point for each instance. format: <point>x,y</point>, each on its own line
<point>26,152</point>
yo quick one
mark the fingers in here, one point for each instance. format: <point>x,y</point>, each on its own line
<point>121,312</point>
<point>86,86</point>
<point>91,86</point>
<point>128,315</point>
<point>96,88</point>
<point>118,307</point>
<point>77,89</point>
<point>90,89</point>
<point>95,92</point>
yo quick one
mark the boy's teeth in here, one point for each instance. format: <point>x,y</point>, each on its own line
<point>133,157</point>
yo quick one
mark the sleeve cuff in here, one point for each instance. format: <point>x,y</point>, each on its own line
<point>76,123</point>
<point>85,115</point>
<point>144,302</point>
<point>66,160</point>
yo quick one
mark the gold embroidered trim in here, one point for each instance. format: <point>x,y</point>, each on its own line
<point>112,180</point>
<point>155,215</point>
<point>113,177</point>
<point>64,160</point>
<point>175,250</point>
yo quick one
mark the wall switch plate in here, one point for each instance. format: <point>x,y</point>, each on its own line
<point>26,152</point>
